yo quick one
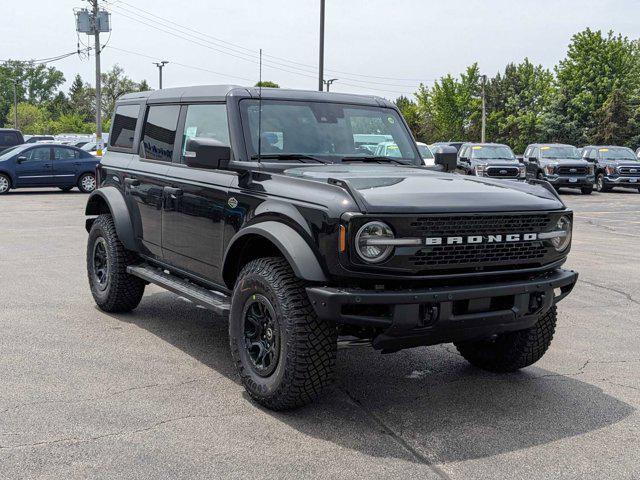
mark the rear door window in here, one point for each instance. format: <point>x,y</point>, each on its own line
<point>124,126</point>
<point>159,133</point>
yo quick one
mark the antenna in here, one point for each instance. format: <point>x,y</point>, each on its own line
<point>260,108</point>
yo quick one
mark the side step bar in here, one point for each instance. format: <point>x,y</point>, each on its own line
<point>217,302</point>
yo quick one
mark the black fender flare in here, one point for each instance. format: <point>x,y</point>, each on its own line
<point>114,201</point>
<point>289,242</point>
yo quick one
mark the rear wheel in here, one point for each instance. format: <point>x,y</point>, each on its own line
<point>284,354</point>
<point>87,183</point>
<point>5,184</point>
<point>113,289</point>
<point>513,350</point>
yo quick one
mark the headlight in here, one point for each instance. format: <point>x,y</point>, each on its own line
<point>479,169</point>
<point>611,170</point>
<point>371,242</point>
<point>550,169</point>
<point>523,171</point>
<point>561,236</point>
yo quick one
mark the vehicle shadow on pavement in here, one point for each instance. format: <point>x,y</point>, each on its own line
<point>428,398</point>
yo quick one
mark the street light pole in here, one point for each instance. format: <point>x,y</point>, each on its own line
<point>483,78</point>
<point>321,60</point>
<point>15,103</point>
<point>160,66</point>
<point>329,82</point>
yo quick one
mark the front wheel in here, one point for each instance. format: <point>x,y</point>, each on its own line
<point>113,289</point>
<point>600,185</point>
<point>87,183</point>
<point>512,351</point>
<point>284,354</point>
<point>586,190</point>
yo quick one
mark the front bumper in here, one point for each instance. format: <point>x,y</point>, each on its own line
<point>569,181</point>
<point>619,180</point>
<point>410,318</point>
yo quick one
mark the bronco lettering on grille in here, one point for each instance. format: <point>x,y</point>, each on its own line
<point>475,239</point>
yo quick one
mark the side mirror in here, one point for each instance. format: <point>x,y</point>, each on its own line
<point>207,153</point>
<point>446,157</point>
<point>21,159</point>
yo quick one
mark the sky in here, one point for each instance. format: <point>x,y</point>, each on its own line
<point>378,47</point>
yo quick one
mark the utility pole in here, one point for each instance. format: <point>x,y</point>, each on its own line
<point>329,82</point>
<point>160,66</point>
<point>15,103</point>
<point>321,61</point>
<point>96,32</point>
<point>483,79</point>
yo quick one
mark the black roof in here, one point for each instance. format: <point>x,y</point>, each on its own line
<point>221,92</point>
<point>10,130</point>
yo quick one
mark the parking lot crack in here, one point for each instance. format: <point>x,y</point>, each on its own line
<point>397,438</point>
<point>628,296</point>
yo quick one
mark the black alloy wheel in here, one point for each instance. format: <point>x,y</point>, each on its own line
<point>100,264</point>
<point>261,335</point>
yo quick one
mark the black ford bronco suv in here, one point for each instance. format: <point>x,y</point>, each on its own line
<point>560,165</point>
<point>615,166</point>
<point>259,205</point>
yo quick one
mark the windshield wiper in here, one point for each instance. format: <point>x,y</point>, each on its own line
<point>286,156</point>
<point>371,159</point>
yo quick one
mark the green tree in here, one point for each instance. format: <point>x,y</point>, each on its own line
<point>114,84</point>
<point>612,121</point>
<point>411,114</point>
<point>143,86</point>
<point>267,84</point>
<point>31,118</point>
<point>452,108</point>
<point>82,98</point>
<point>595,66</point>
<point>517,101</point>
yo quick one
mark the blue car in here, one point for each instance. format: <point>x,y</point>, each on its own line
<point>47,165</point>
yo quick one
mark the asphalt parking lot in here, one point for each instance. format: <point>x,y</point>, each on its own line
<point>152,394</point>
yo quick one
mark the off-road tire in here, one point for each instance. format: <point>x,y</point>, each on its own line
<point>5,184</point>
<point>586,190</point>
<point>66,189</point>
<point>122,292</point>
<point>513,350</point>
<point>81,183</point>
<point>307,352</point>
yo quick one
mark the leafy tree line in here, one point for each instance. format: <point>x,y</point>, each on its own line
<point>591,96</point>
<point>44,108</point>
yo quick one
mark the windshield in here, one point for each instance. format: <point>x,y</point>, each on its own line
<point>327,132</point>
<point>425,153</point>
<point>492,152</point>
<point>560,152</point>
<point>89,147</point>
<point>617,153</point>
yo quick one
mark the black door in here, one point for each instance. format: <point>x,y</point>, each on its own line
<point>147,175</point>
<point>196,199</point>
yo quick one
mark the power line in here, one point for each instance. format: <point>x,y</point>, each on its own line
<point>239,51</point>
<point>49,59</point>
<point>205,45</point>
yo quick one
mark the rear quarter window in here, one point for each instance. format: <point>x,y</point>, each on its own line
<point>9,139</point>
<point>124,126</point>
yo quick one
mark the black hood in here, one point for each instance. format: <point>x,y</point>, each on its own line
<point>569,162</point>
<point>397,189</point>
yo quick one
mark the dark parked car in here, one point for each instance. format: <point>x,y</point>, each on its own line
<point>455,145</point>
<point>47,165</point>
<point>560,165</point>
<point>265,208</point>
<point>493,160</point>
<point>10,138</point>
<point>38,138</point>
<point>614,166</point>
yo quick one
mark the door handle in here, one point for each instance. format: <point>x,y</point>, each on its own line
<point>132,182</point>
<point>173,192</point>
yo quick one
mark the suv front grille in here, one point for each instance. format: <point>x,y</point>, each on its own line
<point>573,170</point>
<point>448,255</point>
<point>502,172</point>
<point>630,171</point>
<point>461,225</point>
